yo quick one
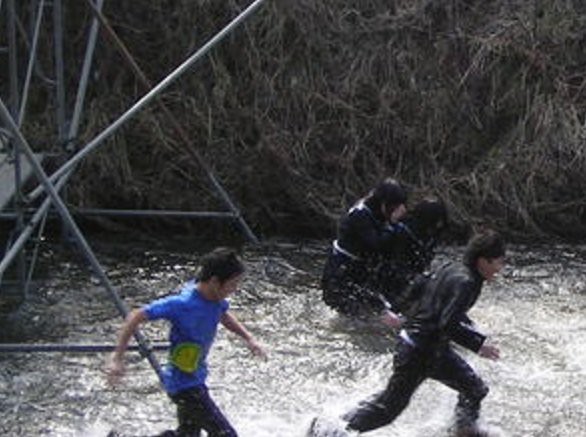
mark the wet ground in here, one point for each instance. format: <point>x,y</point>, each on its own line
<point>319,363</point>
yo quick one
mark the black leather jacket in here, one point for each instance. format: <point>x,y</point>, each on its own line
<point>440,315</point>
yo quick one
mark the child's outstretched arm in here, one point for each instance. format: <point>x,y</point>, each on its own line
<point>231,323</point>
<point>115,365</point>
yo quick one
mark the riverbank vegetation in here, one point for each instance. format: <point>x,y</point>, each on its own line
<point>308,104</point>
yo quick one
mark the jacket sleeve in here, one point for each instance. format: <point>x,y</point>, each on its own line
<point>372,238</point>
<point>455,322</point>
<point>465,335</point>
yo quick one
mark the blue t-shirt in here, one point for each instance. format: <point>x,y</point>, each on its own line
<point>194,322</point>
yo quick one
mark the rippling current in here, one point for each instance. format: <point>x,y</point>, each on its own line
<point>319,363</point>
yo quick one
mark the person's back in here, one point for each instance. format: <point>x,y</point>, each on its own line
<point>440,313</point>
<point>358,231</point>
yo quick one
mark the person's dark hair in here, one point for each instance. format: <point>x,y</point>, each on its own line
<point>429,216</point>
<point>390,192</point>
<point>486,244</point>
<point>222,263</point>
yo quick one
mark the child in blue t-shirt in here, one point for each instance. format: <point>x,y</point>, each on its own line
<point>194,314</point>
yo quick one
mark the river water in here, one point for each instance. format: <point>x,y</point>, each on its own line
<point>320,363</point>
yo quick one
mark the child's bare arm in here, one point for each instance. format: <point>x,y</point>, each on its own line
<point>115,365</point>
<point>231,323</point>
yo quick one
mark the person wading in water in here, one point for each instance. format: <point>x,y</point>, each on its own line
<point>366,232</point>
<point>194,314</point>
<point>424,345</point>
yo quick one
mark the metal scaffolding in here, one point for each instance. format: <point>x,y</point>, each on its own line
<point>18,157</point>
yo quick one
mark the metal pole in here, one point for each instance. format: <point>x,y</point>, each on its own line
<point>83,348</point>
<point>34,256</point>
<point>31,64</point>
<point>142,102</point>
<point>12,54</point>
<point>85,73</point>
<point>130,212</point>
<point>20,222</point>
<point>152,212</point>
<point>66,217</point>
<point>173,121</point>
<point>59,78</point>
<point>13,67</point>
<point>59,68</point>
<point>81,92</point>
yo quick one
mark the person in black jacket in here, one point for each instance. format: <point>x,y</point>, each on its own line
<point>424,346</point>
<point>424,224</point>
<point>412,253</point>
<point>365,232</point>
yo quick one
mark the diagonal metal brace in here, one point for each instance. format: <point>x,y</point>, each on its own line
<point>73,228</point>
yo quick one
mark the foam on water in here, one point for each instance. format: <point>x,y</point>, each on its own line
<point>96,429</point>
<point>319,363</point>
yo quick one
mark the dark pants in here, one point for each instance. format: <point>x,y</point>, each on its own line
<point>411,366</point>
<point>346,287</point>
<point>196,411</point>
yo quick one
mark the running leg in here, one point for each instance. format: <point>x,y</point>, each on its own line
<point>408,373</point>
<point>197,411</point>
<point>454,372</point>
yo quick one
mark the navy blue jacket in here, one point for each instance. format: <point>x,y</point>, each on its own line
<point>364,233</point>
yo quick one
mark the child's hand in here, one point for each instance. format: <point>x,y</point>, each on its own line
<point>115,369</point>
<point>257,349</point>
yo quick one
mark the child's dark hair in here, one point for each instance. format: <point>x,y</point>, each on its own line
<point>222,263</point>
<point>486,244</point>
<point>389,192</point>
<point>429,216</point>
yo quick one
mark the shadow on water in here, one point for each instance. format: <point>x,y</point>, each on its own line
<point>319,363</point>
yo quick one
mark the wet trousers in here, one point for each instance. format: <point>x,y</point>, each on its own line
<point>196,411</point>
<point>346,287</point>
<point>411,366</point>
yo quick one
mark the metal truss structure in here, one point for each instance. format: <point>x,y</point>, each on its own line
<point>19,161</point>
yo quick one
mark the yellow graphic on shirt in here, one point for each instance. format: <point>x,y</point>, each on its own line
<point>185,356</point>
